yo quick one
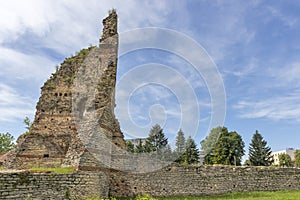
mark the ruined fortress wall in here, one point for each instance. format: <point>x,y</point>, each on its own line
<point>53,186</point>
<point>75,126</point>
<point>204,180</point>
<point>75,112</point>
<point>173,180</point>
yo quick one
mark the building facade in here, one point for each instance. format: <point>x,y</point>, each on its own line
<point>289,151</point>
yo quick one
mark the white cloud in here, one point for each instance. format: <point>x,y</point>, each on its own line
<point>276,108</point>
<point>33,16</point>
<point>246,70</point>
<point>289,74</point>
<point>68,25</point>
<point>278,95</point>
<point>167,87</point>
<point>24,66</point>
<point>34,33</point>
<point>13,107</point>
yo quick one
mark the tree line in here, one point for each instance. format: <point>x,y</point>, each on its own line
<point>156,145</point>
<point>227,148</point>
<point>219,147</point>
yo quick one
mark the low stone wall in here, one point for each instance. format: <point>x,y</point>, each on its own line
<point>177,180</point>
<point>20,185</point>
<point>173,180</point>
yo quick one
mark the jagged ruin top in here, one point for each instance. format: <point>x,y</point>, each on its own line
<point>110,25</point>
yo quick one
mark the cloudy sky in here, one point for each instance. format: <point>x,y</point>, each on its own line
<point>255,47</point>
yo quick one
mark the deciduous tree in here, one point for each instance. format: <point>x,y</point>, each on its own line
<point>229,149</point>
<point>209,142</point>
<point>27,123</point>
<point>297,158</point>
<point>6,142</point>
<point>211,139</point>
<point>285,160</point>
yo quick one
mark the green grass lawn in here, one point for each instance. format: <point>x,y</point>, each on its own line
<point>276,195</point>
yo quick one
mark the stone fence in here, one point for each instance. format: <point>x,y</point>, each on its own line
<point>173,180</point>
<point>178,180</point>
<point>24,185</point>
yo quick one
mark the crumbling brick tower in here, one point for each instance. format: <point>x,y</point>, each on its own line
<point>74,117</point>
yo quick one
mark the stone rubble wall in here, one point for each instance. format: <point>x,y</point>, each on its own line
<point>173,180</point>
<point>77,185</point>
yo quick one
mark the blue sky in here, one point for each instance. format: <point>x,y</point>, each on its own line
<point>255,46</point>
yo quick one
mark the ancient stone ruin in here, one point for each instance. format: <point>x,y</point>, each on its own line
<point>75,126</point>
<point>83,87</point>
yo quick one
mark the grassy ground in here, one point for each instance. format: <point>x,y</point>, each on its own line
<point>61,170</point>
<point>276,195</point>
<point>64,170</point>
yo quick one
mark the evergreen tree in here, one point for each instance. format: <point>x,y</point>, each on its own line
<point>130,146</point>
<point>259,152</point>
<point>285,160</point>
<point>180,142</point>
<point>168,154</point>
<point>139,148</point>
<point>180,147</point>
<point>156,141</point>
<point>297,158</point>
<point>6,142</point>
<point>191,153</point>
<point>229,149</point>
